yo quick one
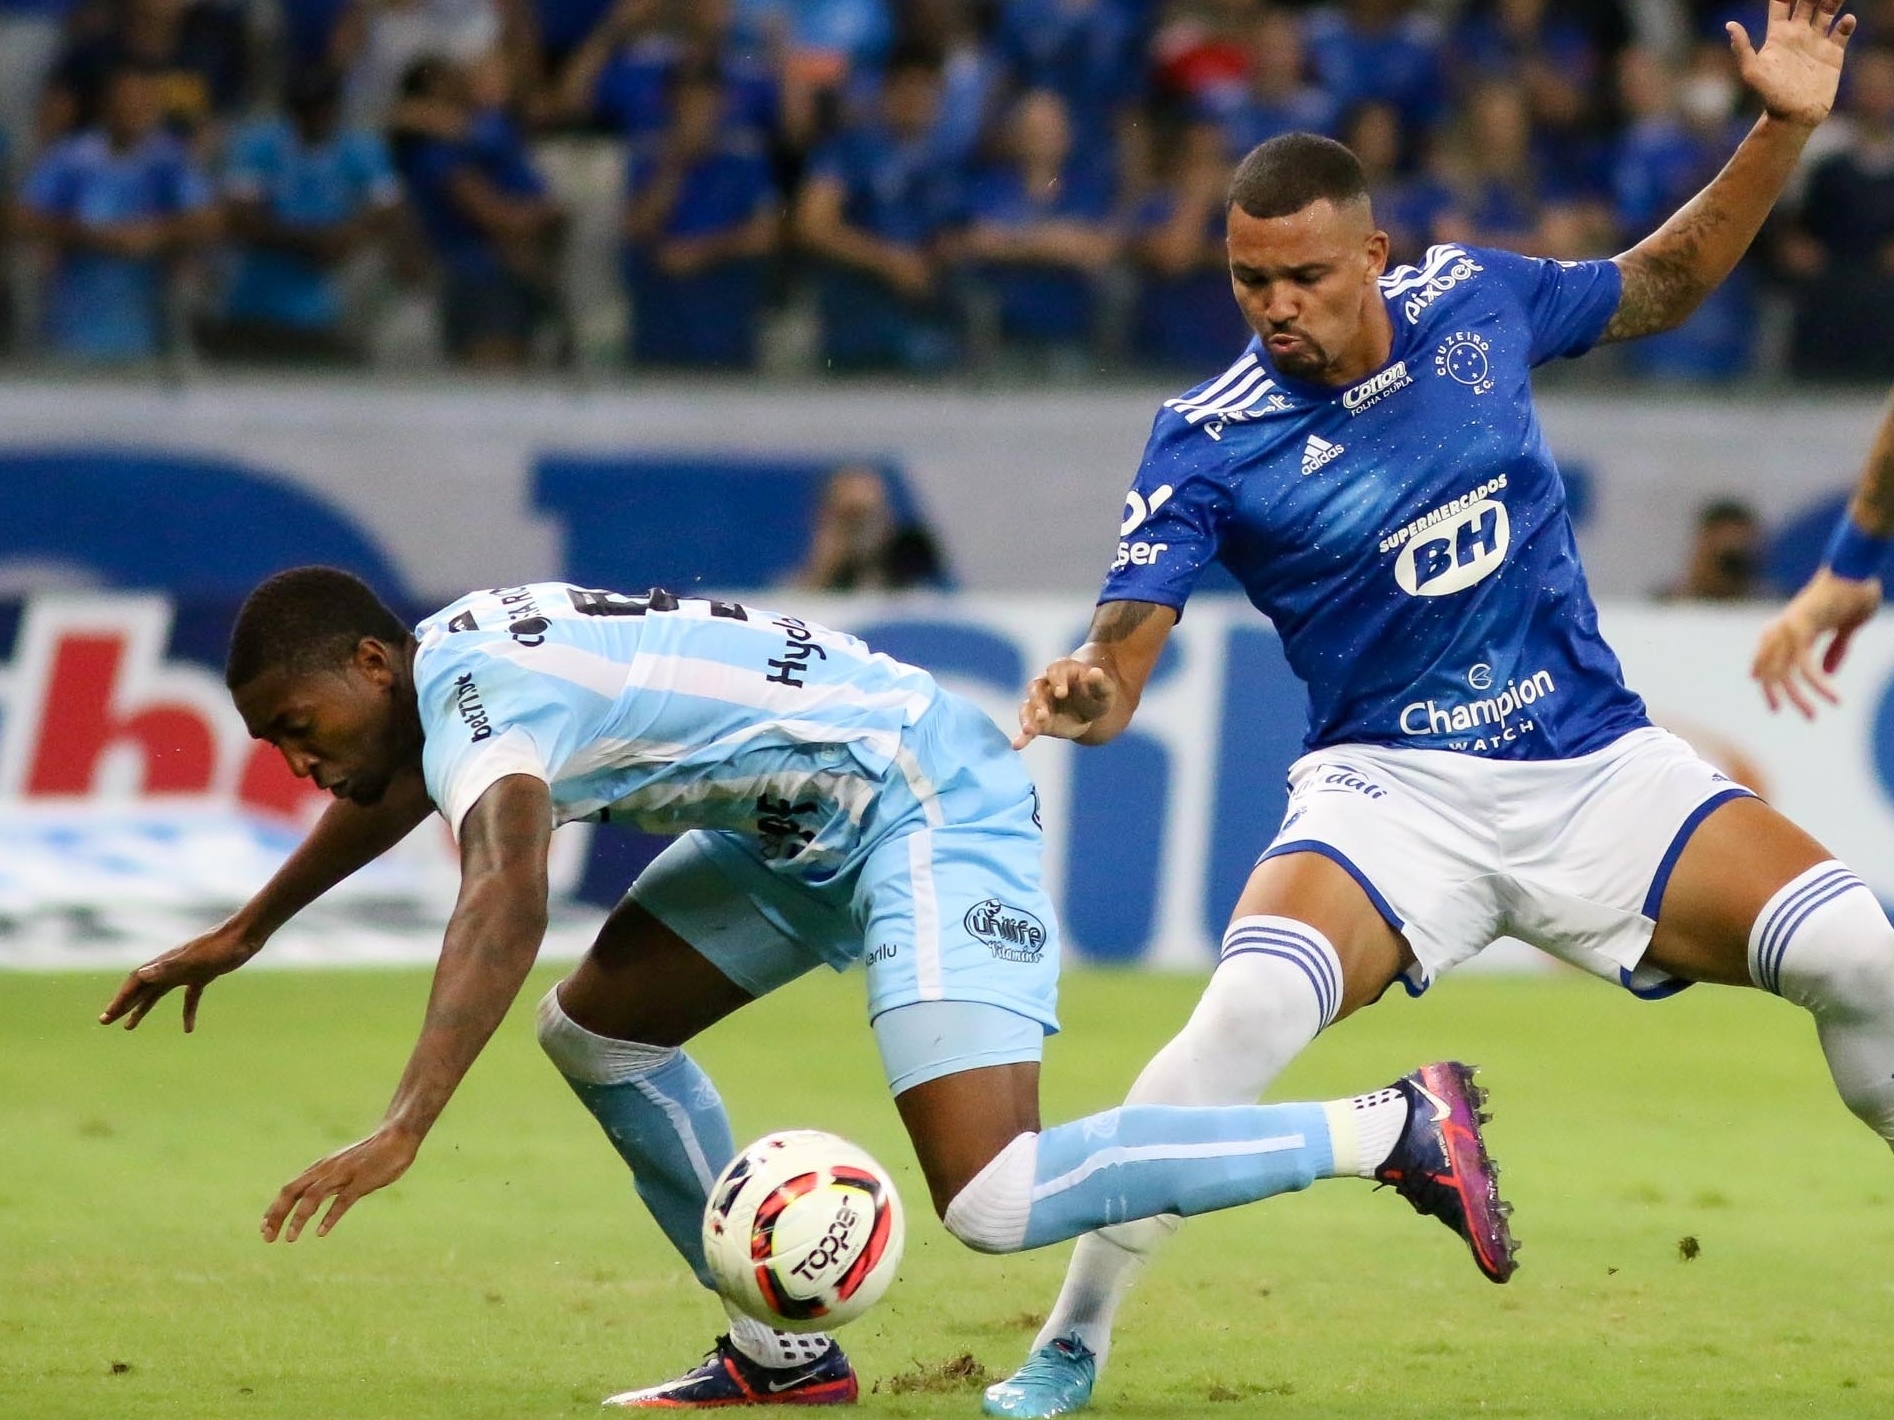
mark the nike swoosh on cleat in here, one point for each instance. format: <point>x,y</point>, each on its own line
<point>777,1389</point>
<point>1441,1111</point>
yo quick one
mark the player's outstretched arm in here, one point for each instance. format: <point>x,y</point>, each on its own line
<point>1840,598</point>
<point>492,939</point>
<point>1091,695</point>
<point>1794,73</point>
<point>347,837</point>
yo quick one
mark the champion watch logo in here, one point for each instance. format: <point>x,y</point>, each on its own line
<point>1318,453</point>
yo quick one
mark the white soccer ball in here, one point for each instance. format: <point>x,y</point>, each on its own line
<point>803,1231</point>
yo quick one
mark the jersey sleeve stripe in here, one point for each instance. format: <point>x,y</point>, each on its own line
<point>1230,376</point>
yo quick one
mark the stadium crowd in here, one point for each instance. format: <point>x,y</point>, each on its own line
<point>916,185</point>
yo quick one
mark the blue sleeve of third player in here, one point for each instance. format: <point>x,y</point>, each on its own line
<point>1567,304</point>
<point>1174,518</point>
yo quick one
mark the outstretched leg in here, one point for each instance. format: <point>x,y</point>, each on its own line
<point>1755,901</point>
<point>1304,948</point>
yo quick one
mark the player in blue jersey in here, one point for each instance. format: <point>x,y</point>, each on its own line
<point>1372,471</point>
<point>835,807</point>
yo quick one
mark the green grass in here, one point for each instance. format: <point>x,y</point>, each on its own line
<point>512,1273</point>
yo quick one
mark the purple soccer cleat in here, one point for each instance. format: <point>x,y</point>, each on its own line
<point>1441,1166</point>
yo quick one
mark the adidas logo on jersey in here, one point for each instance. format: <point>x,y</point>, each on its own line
<point>1318,453</point>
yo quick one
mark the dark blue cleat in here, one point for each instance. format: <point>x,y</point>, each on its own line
<point>727,1377</point>
<point>1441,1166</point>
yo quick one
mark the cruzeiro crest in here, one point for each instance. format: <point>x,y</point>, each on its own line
<point>1463,358</point>
<point>1010,933</point>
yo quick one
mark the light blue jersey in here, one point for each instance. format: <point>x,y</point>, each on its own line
<point>860,811</point>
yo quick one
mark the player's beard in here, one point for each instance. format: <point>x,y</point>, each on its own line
<point>1307,361</point>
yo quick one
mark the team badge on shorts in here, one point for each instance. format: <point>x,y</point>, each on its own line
<point>1010,933</point>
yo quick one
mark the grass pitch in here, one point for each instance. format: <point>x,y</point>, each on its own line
<point>1707,1232</point>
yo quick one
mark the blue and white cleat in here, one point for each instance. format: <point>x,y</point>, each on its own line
<point>727,1377</point>
<point>1056,1380</point>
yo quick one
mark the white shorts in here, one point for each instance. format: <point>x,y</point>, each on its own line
<point>1571,855</point>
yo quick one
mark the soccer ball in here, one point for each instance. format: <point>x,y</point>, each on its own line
<point>803,1231</point>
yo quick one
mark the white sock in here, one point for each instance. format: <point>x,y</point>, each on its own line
<point>1278,984</point>
<point>1824,943</point>
<point>1364,1130</point>
<point>768,1347</point>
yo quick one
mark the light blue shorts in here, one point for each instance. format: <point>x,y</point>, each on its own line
<point>945,906</point>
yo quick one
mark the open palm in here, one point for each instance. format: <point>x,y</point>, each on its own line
<point>1798,68</point>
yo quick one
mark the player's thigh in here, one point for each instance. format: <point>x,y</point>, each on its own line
<point>1312,888</point>
<point>703,931</point>
<point>1738,858</point>
<point>960,1121</point>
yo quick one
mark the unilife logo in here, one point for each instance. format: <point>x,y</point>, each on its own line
<point>1430,717</point>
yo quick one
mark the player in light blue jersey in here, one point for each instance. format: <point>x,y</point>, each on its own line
<point>833,807</point>
<point>1372,472</point>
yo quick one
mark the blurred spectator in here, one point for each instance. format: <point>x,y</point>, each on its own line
<point>1556,61</point>
<point>1725,556</point>
<point>1840,245</point>
<point>1410,209</point>
<point>1187,320</point>
<point>856,545</point>
<point>1201,49</point>
<point>619,77</point>
<point>1040,232</point>
<point>114,207</point>
<point>1085,51</point>
<point>877,210</point>
<point>381,41</point>
<point>1277,96</point>
<point>195,50</point>
<point>484,208</point>
<point>559,27</point>
<point>973,78</point>
<point>30,36</point>
<point>1381,49</point>
<point>701,218</point>
<point>821,48</point>
<point>1502,196</point>
<point>1679,138</point>
<point>316,35</point>
<point>303,197</point>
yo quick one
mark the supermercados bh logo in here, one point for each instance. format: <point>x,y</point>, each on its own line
<point>1376,388</point>
<point>1465,357</point>
<point>1451,547</point>
<point>1010,933</point>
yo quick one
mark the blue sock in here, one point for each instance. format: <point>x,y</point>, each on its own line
<point>1137,1162</point>
<point>669,1125</point>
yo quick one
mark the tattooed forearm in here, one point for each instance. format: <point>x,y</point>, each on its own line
<point>1114,621</point>
<point>1667,275</point>
<point>1661,289</point>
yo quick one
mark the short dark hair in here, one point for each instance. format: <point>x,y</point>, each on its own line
<point>1720,511</point>
<point>306,619</point>
<point>1289,172</point>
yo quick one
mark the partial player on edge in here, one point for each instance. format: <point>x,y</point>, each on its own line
<point>1373,472</point>
<point>1840,598</point>
<point>830,806</point>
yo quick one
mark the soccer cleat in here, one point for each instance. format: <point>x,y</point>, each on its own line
<point>1056,1380</point>
<point>727,1377</point>
<point>1440,1164</point>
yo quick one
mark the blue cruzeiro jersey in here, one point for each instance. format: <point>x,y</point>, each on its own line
<point>671,714</point>
<point>1407,535</point>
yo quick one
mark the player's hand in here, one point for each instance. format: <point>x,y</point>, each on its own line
<point>193,966</point>
<point>1065,702</point>
<point>345,1176</point>
<point>1785,664</point>
<point>1798,68</point>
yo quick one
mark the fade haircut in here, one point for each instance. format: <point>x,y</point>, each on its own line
<point>306,619</point>
<point>1286,174</point>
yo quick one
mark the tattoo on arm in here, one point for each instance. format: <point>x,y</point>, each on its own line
<point>1661,288</point>
<point>1114,621</point>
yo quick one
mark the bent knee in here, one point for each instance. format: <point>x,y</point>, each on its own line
<point>989,1214</point>
<point>1836,957</point>
<point>590,1058</point>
